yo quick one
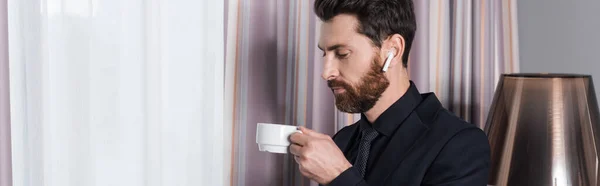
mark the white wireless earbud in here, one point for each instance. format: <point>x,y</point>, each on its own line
<point>386,65</point>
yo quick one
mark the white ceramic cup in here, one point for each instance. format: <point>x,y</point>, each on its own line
<point>274,137</point>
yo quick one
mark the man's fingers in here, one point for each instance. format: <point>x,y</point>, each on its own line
<point>307,131</point>
<point>299,138</point>
<point>296,150</point>
<point>312,133</point>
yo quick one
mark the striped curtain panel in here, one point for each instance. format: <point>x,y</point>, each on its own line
<point>273,72</point>
<point>461,49</point>
<point>273,76</point>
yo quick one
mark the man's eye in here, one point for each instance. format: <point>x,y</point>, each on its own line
<point>342,55</point>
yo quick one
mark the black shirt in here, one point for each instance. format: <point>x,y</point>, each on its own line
<point>386,125</point>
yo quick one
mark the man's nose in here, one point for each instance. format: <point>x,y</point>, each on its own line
<point>330,70</point>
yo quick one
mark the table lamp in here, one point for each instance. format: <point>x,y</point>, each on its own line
<point>543,130</point>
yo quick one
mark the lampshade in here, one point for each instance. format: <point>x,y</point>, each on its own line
<point>543,130</point>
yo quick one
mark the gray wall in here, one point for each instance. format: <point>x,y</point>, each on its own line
<point>560,36</point>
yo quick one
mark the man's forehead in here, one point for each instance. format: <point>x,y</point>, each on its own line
<point>340,30</point>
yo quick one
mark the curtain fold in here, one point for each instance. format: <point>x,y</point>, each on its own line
<point>461,49</point>
<point>117,93</point>
<point>273,71</point>
<point>274,77</point>
<point>5,141</point>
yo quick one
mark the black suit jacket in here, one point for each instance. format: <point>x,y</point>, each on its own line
<point>431,146</point>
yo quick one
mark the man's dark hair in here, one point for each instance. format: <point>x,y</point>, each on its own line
<point>378,19</point>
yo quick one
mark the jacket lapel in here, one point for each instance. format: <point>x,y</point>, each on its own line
<point>405,138</point>
<point>401,143</point>
<point>343,138</point>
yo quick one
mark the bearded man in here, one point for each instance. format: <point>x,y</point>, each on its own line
<point>403,138</point>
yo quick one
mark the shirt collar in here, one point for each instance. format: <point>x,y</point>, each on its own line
<point>393,116</point>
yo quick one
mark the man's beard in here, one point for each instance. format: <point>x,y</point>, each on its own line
<point>363,97</point>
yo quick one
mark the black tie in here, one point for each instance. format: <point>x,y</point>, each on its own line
<point>368,134</point>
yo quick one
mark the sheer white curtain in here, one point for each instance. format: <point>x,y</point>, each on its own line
<point>117,92</point>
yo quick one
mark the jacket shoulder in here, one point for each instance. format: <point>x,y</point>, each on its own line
<point>436,117</point>
<point>345,132</point>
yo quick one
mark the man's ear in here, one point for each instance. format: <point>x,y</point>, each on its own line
<point>395,44</point>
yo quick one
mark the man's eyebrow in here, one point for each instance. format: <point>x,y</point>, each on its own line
<point>333,47</point>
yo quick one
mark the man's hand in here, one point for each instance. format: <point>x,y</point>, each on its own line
<point>318,156</point>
